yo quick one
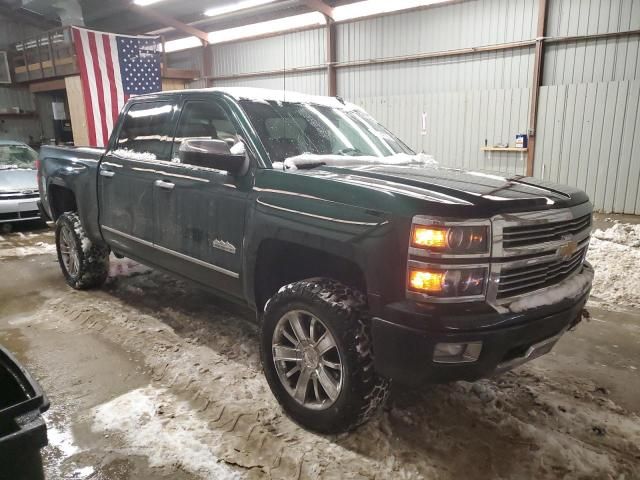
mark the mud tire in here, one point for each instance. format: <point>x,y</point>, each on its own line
<point>93,259</point>
<point>343,310</point>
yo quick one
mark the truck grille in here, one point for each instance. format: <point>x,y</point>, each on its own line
<point>517,281</point>
<point>523,235</point>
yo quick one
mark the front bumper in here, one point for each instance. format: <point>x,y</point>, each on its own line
<point>405,339</point>
<point>19,209</point>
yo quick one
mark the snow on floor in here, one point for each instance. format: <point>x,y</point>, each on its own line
<point>615,256</point>
<point>124,267</point>
<point>156,424</point>
<point>40,248</point>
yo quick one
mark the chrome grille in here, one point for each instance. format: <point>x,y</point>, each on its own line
<point>525,279</point>
<point>522,235</point>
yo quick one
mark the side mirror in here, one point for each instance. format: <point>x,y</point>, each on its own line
<point>213,154</point>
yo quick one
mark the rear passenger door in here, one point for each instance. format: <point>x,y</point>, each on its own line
<point>200,211</point>
<point>126,177</point>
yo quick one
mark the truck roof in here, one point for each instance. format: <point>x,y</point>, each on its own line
<point>267,94</point>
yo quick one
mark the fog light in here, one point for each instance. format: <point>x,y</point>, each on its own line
<point>457,352</point>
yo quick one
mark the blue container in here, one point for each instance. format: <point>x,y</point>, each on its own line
<point>522,141</point>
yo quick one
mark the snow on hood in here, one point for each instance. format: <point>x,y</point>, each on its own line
<point>312,159</point>
<point>571,288</point>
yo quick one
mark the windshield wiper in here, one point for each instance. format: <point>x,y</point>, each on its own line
<point>350,150</point>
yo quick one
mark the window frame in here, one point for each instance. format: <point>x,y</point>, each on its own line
<point>214,101</point>
<point>115,135</point>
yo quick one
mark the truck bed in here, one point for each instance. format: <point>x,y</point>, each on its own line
<point>72,169</point>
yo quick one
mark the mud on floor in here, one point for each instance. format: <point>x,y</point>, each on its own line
<point>151,377</point>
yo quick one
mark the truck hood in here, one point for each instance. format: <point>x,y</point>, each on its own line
<point>18,180</point>
<point>456,190</point>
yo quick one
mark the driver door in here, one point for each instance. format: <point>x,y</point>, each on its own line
<point>200,211</point>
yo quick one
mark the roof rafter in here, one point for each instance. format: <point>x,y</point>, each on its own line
<point>171,22</point>
<point>319,6</point>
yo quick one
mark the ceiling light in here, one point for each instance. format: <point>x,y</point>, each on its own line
<point>376,7</point>
<point>144,3</point>
<point>182,44</point>
<point>271,26</point>
<point>234,7</point>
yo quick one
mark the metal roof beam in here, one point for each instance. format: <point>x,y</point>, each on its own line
<point>171,22</point>
<point>319,6</point>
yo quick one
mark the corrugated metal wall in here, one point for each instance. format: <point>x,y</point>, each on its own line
<point>292,50</point>
<point>589,118</point>
<point>15,128</point>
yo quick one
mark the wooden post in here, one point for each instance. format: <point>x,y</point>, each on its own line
<point>77,110</point>
<point>332,83</point>
<point>538,65</point>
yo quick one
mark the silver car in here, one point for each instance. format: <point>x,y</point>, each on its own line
<point>18,183</point>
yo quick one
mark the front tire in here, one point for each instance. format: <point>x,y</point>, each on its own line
<point>317,358</point>
<point>84,264</point>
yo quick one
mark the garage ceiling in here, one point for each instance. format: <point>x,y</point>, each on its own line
<point>120,17</point>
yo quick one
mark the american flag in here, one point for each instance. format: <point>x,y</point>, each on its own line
<point>112,69</point>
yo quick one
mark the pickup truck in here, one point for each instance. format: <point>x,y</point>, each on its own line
<point>364,262</point>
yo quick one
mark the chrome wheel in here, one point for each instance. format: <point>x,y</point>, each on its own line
<point>307,360</point>
<point>69,252</point>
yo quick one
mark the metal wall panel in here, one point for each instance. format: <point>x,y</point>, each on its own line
<point>585,17</point>
<point>291,50</point>
<point>26,129</point>
<point>588,137</point>
<point>444,27</point>
<point>312,83</point>
<point>467,100</point>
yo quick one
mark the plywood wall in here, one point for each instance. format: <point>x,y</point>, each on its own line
<point>77,110</point>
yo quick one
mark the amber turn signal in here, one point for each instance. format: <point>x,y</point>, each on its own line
<point>426,281</point>
<point>429,237</point>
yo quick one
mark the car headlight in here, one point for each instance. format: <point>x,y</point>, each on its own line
<point>449,282</point>
<point>457,239</point>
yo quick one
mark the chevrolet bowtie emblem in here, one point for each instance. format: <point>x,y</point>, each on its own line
<point>567,250</point>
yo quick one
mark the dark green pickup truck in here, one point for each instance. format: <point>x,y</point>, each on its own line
<point>364,262</point>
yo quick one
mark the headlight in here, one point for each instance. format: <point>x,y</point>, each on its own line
<point>463,282</point>
<point>454,239</point>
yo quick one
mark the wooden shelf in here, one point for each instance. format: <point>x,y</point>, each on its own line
<point>16,114</point>
<point>503,149</point>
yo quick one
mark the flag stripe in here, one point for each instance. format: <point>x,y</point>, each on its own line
<point>102,123</point>
<point>96,131</point>
<point>106,86</point>
<point>91,128</point>
<point>115,64</point>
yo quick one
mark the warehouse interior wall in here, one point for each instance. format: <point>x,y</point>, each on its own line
<point>28,128</point>
<point>451,105</point>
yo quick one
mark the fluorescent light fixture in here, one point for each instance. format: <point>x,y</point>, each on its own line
<point>144,3</point>
<point>234,7</point>
<point>248,31</point>
<point>376,7</point>
<point>265,28</point>
<point>182,44</point>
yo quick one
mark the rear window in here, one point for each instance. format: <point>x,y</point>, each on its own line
<point>146,131</point>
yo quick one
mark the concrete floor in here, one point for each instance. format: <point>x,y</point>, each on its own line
<point>152,378</point>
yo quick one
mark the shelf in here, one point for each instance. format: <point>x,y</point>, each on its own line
<point>503,149</point>
<point>16,114</point>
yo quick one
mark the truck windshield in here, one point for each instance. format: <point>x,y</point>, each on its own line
<point>17,156</point>
<point>292,129</point>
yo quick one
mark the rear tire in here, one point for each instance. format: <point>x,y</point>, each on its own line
<point>84,264</point>
<point>333,388</point>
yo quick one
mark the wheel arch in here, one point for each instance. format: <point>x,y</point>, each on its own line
<point>280,262</point>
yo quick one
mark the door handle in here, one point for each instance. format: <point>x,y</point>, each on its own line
<point>107,173</point>
<point>165,185</point>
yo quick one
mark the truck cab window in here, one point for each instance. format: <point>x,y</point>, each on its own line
<point>146,132</point>
<point>203,120</point>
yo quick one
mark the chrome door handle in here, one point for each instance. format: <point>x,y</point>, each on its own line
<point>107,173</point>
<point>165,185</point>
